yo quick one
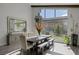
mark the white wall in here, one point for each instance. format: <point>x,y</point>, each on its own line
<point>74,15</point>
<point>18,10</point>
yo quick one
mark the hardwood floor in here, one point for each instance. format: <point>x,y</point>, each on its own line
<point>6,49</point>
<point>59,49</point>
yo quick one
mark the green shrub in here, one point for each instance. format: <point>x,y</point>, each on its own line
<point>66,39</point>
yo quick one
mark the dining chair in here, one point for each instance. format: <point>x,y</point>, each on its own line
<point>25,46</point>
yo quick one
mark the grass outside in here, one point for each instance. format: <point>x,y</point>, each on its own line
<point>58,38</point>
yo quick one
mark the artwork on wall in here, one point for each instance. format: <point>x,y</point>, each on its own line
<point>15,25</point>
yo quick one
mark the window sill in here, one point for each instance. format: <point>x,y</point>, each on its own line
<point>56,18</point>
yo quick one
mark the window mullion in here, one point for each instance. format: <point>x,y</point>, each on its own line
<point>44,13</point>
<point>54,12</point>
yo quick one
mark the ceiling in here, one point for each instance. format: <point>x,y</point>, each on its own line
<point>54,4</point>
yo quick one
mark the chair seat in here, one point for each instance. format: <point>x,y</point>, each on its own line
<point>30,45</point>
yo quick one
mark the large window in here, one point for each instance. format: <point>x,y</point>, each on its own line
<point>53,13</point>
<point>61,12</point>
<point>49,13</point>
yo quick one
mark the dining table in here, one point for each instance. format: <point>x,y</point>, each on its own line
<point>38,38</point>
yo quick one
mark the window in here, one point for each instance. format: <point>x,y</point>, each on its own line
<point>53,13</point>
<point>61,12</point>
<point>49,13</point>
<point>42,13</point>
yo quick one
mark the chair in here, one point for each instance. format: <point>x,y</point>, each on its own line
<point>25,46</point>
<point>41,47</point>
<point>51,43</point>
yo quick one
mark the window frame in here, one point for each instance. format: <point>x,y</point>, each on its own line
<point>62,17</point>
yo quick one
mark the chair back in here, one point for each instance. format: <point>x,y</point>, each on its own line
<point>23,42</point>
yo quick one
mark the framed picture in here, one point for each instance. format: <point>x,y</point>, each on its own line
<point>16,25</point>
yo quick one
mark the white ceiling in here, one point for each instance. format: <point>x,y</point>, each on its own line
<point>54,3</point>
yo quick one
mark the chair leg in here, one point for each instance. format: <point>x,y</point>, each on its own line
<point>42,50</point>
<point>32,50</point>
<point>53,45</point>
<point>23,52</point>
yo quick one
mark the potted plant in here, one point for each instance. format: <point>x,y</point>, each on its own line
<point>38,23</point>
<point>66,40</point>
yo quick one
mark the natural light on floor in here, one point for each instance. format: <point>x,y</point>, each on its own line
<point>60,49</point>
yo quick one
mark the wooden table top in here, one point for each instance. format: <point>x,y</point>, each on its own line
<point>37,38</point>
